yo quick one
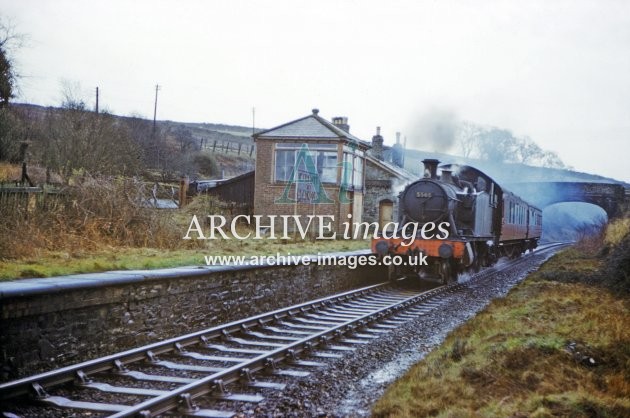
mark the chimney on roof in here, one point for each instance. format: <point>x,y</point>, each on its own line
<point>315,111</point>
<point>398,152</point>
<point>377,144</point>
<point>341,122</point>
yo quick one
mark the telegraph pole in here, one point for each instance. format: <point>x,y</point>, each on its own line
<point>157,87</point>
<point>97,100</point>
<point>157,146</point>
<point>253,120</point>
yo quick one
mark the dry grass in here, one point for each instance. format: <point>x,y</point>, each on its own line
<point>529,354</point>
<point>11,173</point>
<point>94,213</point>
<point>102,224</point>
<point>616,230</point>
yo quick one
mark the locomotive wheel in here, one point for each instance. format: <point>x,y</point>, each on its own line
<point>487,260</point>
<point>476,265</point>
<point>397,272</point>
<point>447,273</point>
<point>392,274</point>
<point>483,255</point>
<point>491,258</point>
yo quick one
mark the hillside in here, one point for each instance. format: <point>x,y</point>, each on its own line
<point>505,173</point>
<point>220,136</point>
<point>209,131</point>
<point>228,149</point>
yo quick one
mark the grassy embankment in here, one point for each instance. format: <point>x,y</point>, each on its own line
<point>101,224</point>
<point>557,345</point>
<point>56,263</point>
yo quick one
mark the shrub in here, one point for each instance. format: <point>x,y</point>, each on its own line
<point>92,213</point>
<point>617,272</point>
<point>206,165</point>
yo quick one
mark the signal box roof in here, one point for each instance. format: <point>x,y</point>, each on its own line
<point>310,127</point>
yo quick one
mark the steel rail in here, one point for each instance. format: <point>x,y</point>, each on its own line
<point>172,400</point>
<point>185,394</point>
<point>66,374</point>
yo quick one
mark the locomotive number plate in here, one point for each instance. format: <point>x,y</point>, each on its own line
<point>424,194</point>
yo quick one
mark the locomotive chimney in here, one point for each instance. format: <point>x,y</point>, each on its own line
<point>447,176</point>
<point>430,168</point>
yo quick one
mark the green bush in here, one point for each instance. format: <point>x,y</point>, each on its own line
<point>206,165</point>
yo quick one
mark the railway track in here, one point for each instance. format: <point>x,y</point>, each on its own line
<point>175,375</point>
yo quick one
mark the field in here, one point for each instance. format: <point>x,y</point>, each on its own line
<point>557,345</point>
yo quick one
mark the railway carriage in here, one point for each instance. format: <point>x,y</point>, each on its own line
<point>484,222</point>
<point>521,225</point>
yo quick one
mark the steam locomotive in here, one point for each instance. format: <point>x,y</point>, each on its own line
<point>484,222</point>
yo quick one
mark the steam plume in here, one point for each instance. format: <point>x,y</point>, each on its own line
<point>434,130</point>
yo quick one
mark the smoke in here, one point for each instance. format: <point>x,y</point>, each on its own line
<point>569,221</point>
<point>434,130</point>
<point>398,186</point>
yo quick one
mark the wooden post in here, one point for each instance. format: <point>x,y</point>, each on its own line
<point>183,190</point>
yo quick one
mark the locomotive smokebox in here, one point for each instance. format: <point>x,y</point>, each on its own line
<point>430,168</point>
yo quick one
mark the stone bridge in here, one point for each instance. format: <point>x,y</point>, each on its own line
<point>611,197</point>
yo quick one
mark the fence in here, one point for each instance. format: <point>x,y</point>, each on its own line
<point>230,147</point>
<point>27,200</point>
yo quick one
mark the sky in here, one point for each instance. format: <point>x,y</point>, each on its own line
<point>556,71</point>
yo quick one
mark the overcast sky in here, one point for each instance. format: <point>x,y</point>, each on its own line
<point>556,71</point>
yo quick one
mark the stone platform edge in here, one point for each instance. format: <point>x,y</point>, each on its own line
<point>25,287</point>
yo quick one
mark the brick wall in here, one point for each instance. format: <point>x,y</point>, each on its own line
<point>47,323</point>
<point>267,192</point>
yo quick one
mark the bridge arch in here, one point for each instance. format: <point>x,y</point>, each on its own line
<point>571,221</point>
<point>609,196</point>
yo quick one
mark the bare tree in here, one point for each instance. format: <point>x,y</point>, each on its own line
<point>10,127</point>
<point>7,78</point>
<point>501,146</point>
<point>552,160</point>
<point>468,138</point>
<point>496,145</point>
<point>10,40</point>
<point>78,141</point>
